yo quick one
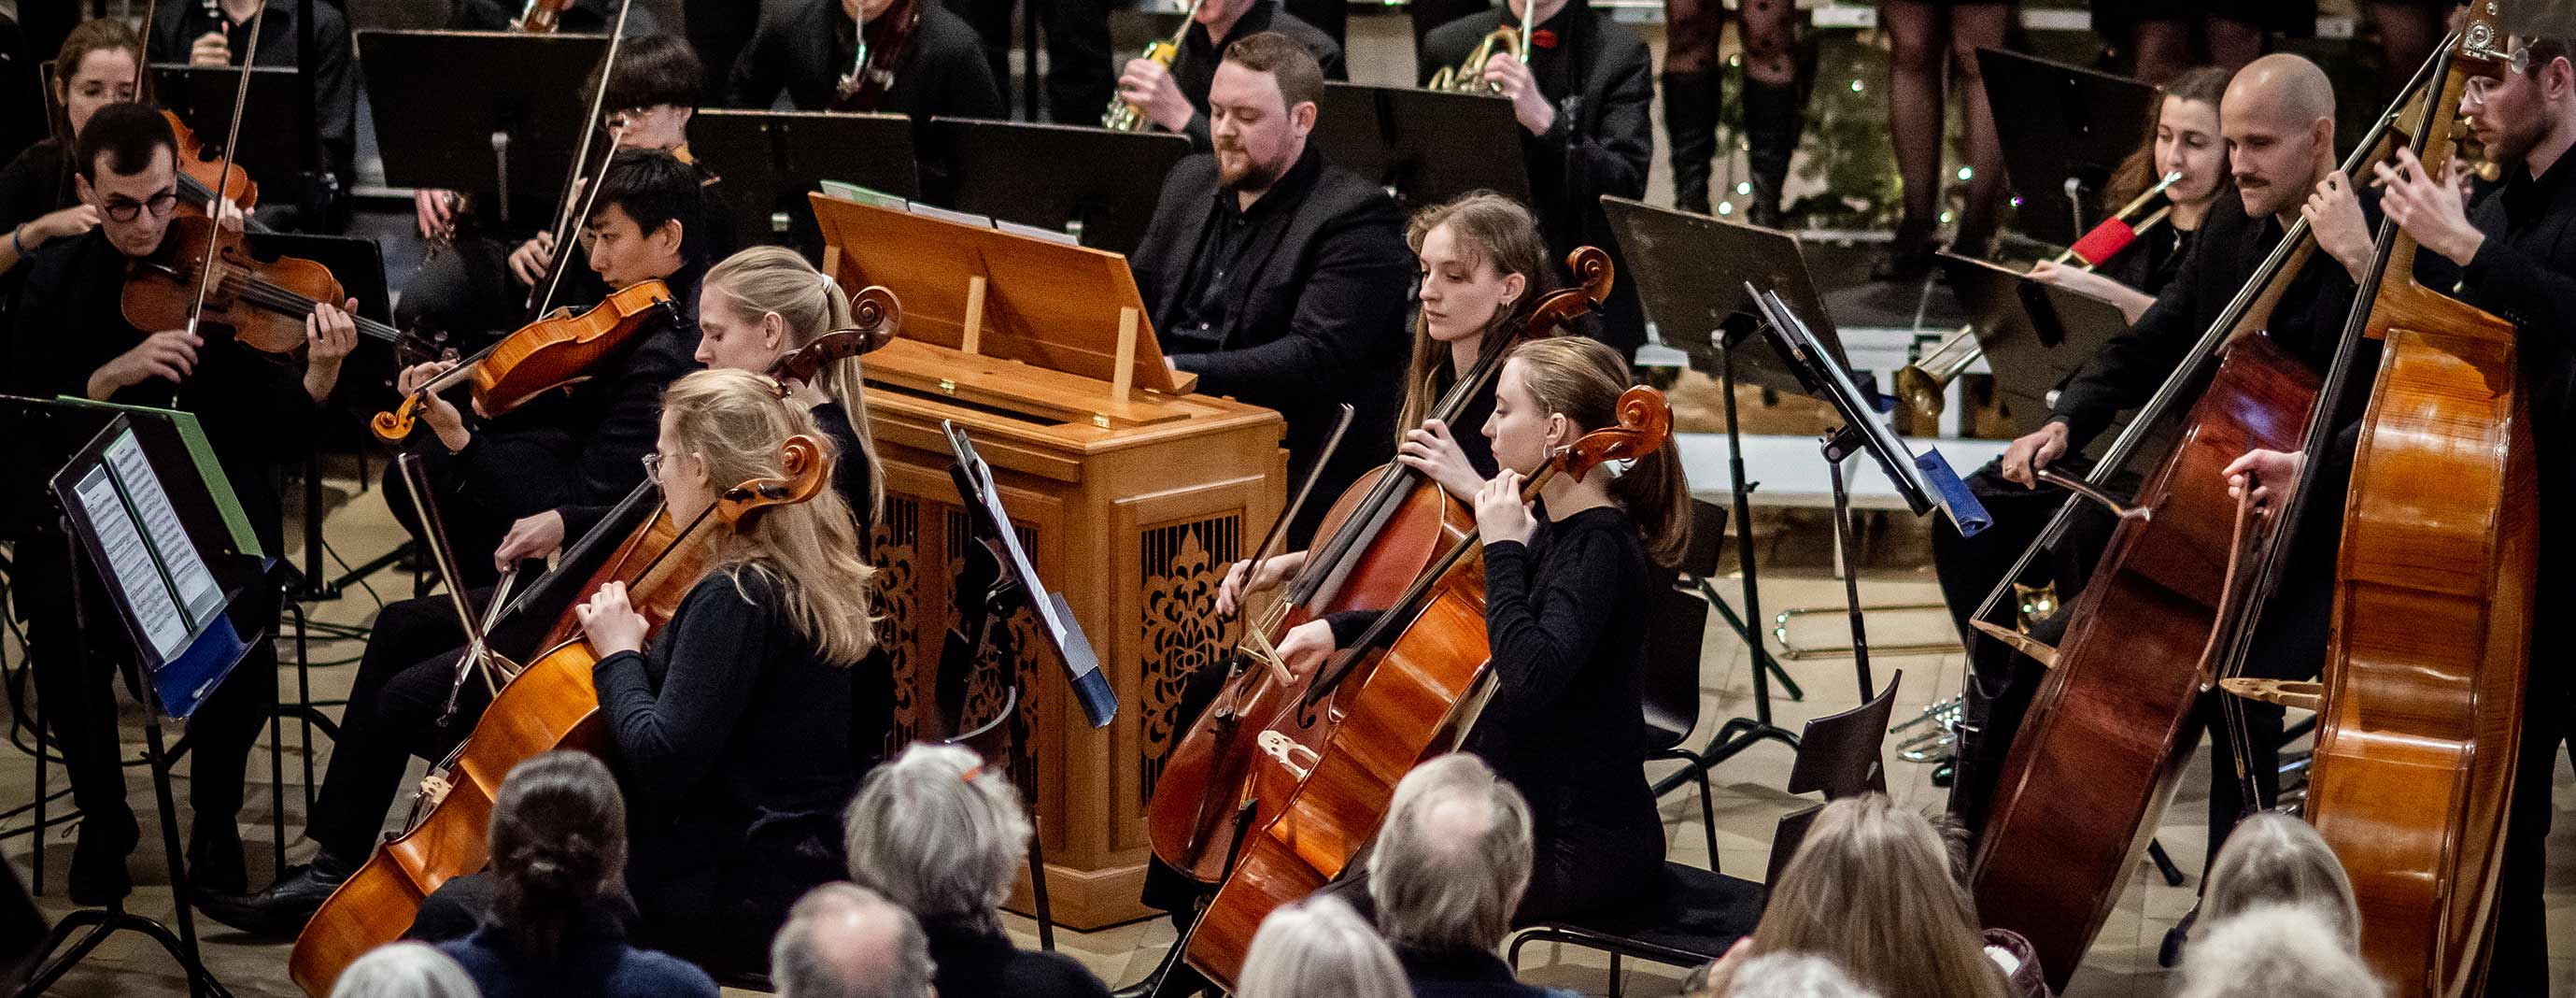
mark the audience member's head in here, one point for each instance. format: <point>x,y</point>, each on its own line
<point>1319,946</point>
<point>846,941</point>
<point>937,833</point>
<point>404,970</point>
<point>1453,859</point>
<point>558,843</point>
<point>1871,887</point>
<point>2272,858</point>
<point>2275,951</point>
<point>1789,975</point>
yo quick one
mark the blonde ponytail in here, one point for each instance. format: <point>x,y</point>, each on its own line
<point>774,279</point>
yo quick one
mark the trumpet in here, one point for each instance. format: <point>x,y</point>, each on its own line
<point>1125,117</point>
<point>1469,77</point>
<point>1924,383</point>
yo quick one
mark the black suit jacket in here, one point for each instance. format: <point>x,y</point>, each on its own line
<point>1601,143</point>
<point>1317,317</point>
<point>943,74</point>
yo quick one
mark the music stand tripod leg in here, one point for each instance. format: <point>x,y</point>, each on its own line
<point>1739,733</point>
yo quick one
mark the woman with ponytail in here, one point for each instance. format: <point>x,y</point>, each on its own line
<point>558,839</point>
<point>1566,587</point>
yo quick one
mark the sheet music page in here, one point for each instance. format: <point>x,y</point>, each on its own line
<point>199,594</point>
<point>129,564</point>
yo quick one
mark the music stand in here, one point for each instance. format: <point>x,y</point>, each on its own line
<point>1926,481</point>
<point>272,114</point>
<point>1690,271</point>
<point>2034,335</point>
<point>138,504</point>
<point>771,159</point>
<point>513,128</point>
<point>2064,130</point>
<point>1428,146</point>
<point>1107,202</point>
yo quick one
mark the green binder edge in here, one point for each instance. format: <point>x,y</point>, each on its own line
<point>212,470</point>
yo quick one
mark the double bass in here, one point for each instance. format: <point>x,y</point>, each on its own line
<point>2420,712</point>
<point>2114,720</point>
<point>1383,531</point>
<point>1405,691</point>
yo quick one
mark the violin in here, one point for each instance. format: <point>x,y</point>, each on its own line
<point>1381,533</point>
<point>264,301</point>
<point>882,44</point>
<point>1403,692</point>
<point>549,704</point>
<point>541,17</point>
<point>540,357</point>
<point>203,177</point>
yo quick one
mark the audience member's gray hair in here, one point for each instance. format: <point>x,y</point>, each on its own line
<point>1793,975</point>
<point>1451,864</point>
<point>2276,951</point>
<point>938,834</point>
<point>1319,946</point>
<point>2273,858</point>
<point>846,941</point>
<point>404,970</point>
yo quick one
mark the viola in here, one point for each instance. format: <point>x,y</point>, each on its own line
<point>882,44</point>
<point>264,301</point>
<point>549,704</point>
<point>1336,753</point>
<point>1382,532</point>
<point>544,355</point>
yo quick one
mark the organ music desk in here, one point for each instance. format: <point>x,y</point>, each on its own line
<point>1131,494</point>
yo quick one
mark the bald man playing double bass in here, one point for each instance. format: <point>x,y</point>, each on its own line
<point>2278,118</point>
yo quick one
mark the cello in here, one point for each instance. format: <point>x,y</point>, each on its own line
<point>1382,532</point>
<point>1406,690</point>
<point>2420,711</point>
<point>2114,720</point>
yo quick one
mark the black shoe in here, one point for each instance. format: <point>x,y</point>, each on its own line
<point>282,909</point>
<point>1774,117</point>
<point>1909,255</point>
<point>2170,953</point>
<point>215,858</point>
<point>98,859</point>
<point>1170,979</point>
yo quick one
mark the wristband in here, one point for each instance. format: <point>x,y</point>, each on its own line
<point>13,240</point>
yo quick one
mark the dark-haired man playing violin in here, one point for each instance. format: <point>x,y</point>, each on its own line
<point>71,339</point>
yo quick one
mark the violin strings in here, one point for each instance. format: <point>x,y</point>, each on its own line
<point>261,291</point>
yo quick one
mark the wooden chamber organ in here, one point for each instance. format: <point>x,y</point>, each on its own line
<point>1130,493</point>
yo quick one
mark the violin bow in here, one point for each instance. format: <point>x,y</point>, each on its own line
<point>541,299</point>
<point>215,201</point>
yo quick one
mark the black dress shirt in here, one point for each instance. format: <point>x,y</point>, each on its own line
<point>178,25</point>
<point>1194,68</point>
<point>804,48</point>
<point>1598,75</point>
<point>2526,271</point>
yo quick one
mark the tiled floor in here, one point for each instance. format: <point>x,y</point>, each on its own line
<point>1748,799</point>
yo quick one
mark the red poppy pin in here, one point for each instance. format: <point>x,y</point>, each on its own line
<point>1543,38</point>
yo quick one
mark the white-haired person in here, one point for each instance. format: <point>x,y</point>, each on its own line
<point>1448,870</point>
<point>404,970</point>
<point>2272,859</point>
<point>2276,950</point>
<point>1786,974</point>
<point>846,941</point>
<point>1317,947</point>
<point>941,835</point>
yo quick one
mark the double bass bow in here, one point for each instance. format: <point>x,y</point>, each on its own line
<point>2420,711</point>
<point>1409,688</point>
<point>1381,533</point>
<point>2114,720</point>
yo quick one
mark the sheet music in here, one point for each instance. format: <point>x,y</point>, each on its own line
<point>129,564</point>
<point>199,594</point>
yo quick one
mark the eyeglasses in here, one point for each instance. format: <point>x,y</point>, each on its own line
<point>653,467</point>
<point>2478,88</point>
<point>127,209</point>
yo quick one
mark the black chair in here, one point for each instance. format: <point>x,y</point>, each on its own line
<point>1841,755</point>
<point>1676,626</point>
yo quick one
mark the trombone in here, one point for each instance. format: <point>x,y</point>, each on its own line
<point>1125,117</point>
<point>1469,77</point>
<point>1924,383</point>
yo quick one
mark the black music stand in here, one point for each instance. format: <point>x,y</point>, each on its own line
<point>1925,480</point>
<point>771,159</point>
<point>2065,130</point>
<point>142,510</point>
<point>272,114</point>
<point>512,127</point>
<point>1690,271</point>
<point>1427,146</point>
<point>1001,168</point>
<point>2034,335</point>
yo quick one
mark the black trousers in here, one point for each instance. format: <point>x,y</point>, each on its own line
<point>80,704</point>
<point>2520,959</point>
<point>1080,78</point>
<point>397,710</point>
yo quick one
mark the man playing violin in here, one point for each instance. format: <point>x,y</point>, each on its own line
<point>72,339</point>
<point>585,447</point>
<point>2514,254</point>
